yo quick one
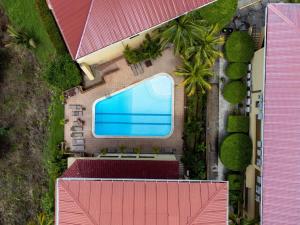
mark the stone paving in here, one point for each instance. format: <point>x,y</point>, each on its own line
<point>116,81</point>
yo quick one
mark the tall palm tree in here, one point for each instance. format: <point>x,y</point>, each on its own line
<point>206,49</point>
<point>182,32</point>
<point>195,76</point>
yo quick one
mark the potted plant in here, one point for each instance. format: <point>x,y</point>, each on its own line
<point>155,150</point>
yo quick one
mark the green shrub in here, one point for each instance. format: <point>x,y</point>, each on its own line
<point>132,56</point>
<point>237,123</point>
<point>221,12</point>
<point>239,47</point>
<point>235,197</point>
<point>236,71</point>
<point>63,73</point>
<point>234,92</point>
<point>50,26</point>
<point>235,182</point>
<point>236,152</point>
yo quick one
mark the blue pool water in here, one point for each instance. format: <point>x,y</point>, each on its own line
<point>141,110</point>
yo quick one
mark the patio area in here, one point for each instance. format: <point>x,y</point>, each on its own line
<point>79,108</point>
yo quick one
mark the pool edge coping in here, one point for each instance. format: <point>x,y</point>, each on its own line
<point>126,88</point>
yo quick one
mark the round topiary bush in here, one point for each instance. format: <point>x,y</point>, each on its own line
<point>234,92</point>
<point>239,47</point>
<point>236,152</point>
<point>236,71</point>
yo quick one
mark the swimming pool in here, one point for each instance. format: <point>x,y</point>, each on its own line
<point>144,109</point>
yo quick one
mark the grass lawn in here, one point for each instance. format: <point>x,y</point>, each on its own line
<point>23,15</point>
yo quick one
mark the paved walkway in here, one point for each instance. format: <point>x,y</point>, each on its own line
<point>116,81</point>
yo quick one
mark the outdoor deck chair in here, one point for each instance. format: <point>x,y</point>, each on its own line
<point>258,144</point>
<point>75,107</point>
<point>76,128</point>
<point>248,76</point>
<point>77,113</point>
<point>248,102</point>
<point>77,142</point>
<point>78,148</point>
<point>77,134</point>
<point>249,67</point>
<point>248,109</point>
<point>248,83</point>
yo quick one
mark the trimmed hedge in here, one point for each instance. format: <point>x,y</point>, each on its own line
<point>236,71</point>
<point>237,123</point>
<point>50,26</point>
<point>235,182</point>
<point>236,152</point>
<point>239,47</point>
<point>220,12</point>
<point>63,73</point>
<point>234,92</point>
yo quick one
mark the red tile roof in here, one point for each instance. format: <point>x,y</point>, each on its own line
<point>142,169</point>
<point>281,136</point>
<point>90,25</point>
<point>128,202</point>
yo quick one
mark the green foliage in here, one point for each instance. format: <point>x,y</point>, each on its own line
<point>155,149</point>
<point>236,152</point>
<point>206,49</point>
<point>235,197</point>
<point>132,56</point>
<point>104,151</point>
<point>182,32</point>
<point>137,150</point>
<point>237,123</point>
<point>235,182</point>
<point>62,73</point>
<point>24,16</point>
<point>220,12</point>
<point>239,47</point>
<point>195,76</point>
<point>293,1</point>
<point>50,26</point>
<point>55,161</point>
<point>20,38</point>
<point>149,49</point>
<point>234,92</point>
<point>236,71</point>
<point>122,148</point>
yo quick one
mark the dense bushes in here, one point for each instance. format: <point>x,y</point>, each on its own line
<point>235,182</point>
<point>149,49</point>
<point>63,73</point>
<point>237,123</point>
<point>50,26</point>
<point>219,12</point>
<point>239,47</point>
<point>236,152</point>
<point>234,92</point>
<point>236,71</point>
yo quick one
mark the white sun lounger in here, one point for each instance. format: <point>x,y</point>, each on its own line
<point>77,148</point>
<point>77,142</point>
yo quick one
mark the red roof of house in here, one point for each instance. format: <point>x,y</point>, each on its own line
<point>90,25</point>
<point>140,169</point>
<point>281,136</point>
<point>141,202</point>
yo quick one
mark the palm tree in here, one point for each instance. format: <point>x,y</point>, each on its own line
<point>195,76</point>
<point>20,38</point>
<point>182,32</point>
<point>206,49</point>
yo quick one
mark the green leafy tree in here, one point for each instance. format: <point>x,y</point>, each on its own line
<point>207,48</point>
<point>182,32</point>
<point>150,48</point>
<point>195,76</point>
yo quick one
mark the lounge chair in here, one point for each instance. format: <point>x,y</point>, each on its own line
<point>77,134</point>
<point>75,107</point>
<point>78,148</point>
<point>76,128</point>
<point>77,113</point>
<point>77,142</point>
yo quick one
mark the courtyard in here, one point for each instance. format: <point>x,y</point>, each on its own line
<point>121,77</point>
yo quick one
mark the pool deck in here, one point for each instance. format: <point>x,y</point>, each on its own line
<point>117,81</point>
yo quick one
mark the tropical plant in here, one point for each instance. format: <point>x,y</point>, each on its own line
<point>237,219</point>
<point>237,123</point>
<point>103,151</point>
<point>122,148</point>
<point>132,56</point>
<point>195,76</point>
<point>155,150</point>
<point>150,48</point>
<point>20,38</point>
<point>182,32</point>
<point>236,71</point>
<point>236,151</point>
<point>206,49</point>
<point>239,47</point>
<point>41,219</point>
<point>234,92</point>
<point>137,150</point>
